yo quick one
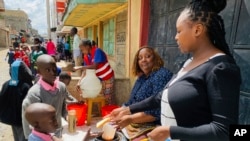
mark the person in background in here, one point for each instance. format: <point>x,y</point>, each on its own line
<point>51,48</point>
<point>70,39</point>
<point>202,100</point>
<point>77,54</point>
<point>11,97</point>
<point>18,53</point>
<point>26,60</point>
<point>15,43</point>
<point>43,47</point>
<point>25,49</point>
<point>57,39</point>
<point>42,117</point>
<point>38,42</point>
<point>10,56</point>
<point>23,40</point>
<point>32,65</point>
<point>47,90</point>
<point>65,77</point>
<point>63,39</point>
<point>67,51</point>
<point>35,54</point>
<point>98,60</point>
<point>58,69</point>
<point>94,45</point>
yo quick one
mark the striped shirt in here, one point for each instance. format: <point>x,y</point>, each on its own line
<point>104,70</point>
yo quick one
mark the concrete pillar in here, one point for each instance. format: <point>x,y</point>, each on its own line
<point>85,33</point>
<point>100,34</point>
<point>94,33</point>
<point>48,18</point>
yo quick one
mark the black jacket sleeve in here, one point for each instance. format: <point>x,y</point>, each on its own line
<point>150,103</point>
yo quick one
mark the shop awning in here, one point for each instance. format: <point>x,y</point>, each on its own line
<point>82,12</point>
<point>66,29</point>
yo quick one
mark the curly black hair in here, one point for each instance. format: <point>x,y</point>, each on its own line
<point>206,12</point>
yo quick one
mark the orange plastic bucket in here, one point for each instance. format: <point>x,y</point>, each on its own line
<point>108,109</point>
<point>81,111</point>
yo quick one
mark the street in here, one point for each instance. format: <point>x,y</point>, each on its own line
<point>5,130</point>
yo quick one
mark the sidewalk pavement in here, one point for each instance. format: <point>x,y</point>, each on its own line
<point>5,130</point>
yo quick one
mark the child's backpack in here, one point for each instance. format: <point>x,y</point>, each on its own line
<point>11,98</point>
<point>13,92</point>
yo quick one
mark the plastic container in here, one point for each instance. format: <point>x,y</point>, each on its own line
<point>108,132</point>
<point>118,137</point>
<point>81,112</point>
<point>108,109</point>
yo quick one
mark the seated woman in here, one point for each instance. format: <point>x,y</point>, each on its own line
<point>152,77</point>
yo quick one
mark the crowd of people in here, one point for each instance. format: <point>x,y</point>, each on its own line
<point>200,102</point>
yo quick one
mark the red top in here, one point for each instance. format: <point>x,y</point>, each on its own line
<point>104,70</point>
<point>51,48</point>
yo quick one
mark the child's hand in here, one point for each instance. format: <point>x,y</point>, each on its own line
<point>90,135</point>
<point>54,138</point>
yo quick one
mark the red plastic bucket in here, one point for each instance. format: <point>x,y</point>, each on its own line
<point>108,109</point>
<point>81,112</point>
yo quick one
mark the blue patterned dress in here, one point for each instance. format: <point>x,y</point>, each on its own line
<point>147,86</point>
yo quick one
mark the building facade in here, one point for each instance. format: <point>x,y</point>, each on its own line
<point>17,20</point>
<point>19,24</point>
<point>123,29</point>
<point>4,31</point>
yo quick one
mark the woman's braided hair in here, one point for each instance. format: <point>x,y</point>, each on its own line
<point>206,12</point>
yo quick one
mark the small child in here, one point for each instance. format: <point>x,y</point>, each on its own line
<point>10,54</point>
<point>65,77</point>
<point>66,51</point>
<point>43,119</point>
<point>47,90</point>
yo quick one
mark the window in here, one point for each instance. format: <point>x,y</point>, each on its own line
<point>109,37</point>
<point>89,33</point>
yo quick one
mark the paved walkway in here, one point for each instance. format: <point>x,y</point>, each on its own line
<point>5,130</point>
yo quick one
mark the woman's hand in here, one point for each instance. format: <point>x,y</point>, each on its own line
<point>118,113</point>
<point>160,133</point>
<point>90,135</point>
<point>124,121</point>
<point>116,116</point>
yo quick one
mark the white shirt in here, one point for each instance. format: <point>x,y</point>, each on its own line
<point>76,49</point>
